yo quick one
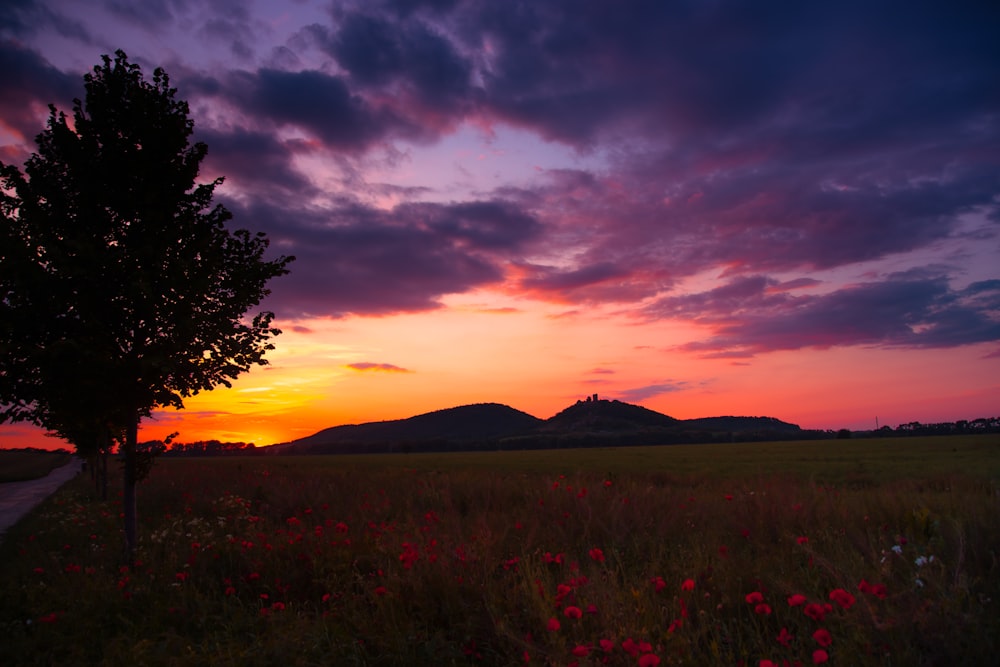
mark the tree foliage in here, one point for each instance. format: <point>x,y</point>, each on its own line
<point>121,288</point>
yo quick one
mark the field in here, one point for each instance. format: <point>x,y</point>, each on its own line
<point>878,552</point>
<point>18,465</point>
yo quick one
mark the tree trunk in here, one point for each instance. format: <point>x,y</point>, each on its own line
<point>129,475</point>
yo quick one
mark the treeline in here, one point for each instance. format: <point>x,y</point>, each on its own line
<point>551,440</point>
<point>200,448</point>
<point>960,427</point>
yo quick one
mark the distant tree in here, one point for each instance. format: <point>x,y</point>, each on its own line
<point>121,289</point>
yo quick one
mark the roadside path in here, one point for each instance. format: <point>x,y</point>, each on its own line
<point>19,498</point>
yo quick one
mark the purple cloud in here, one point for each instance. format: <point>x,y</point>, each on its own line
<point>371,366</point>
<point>912,310</point>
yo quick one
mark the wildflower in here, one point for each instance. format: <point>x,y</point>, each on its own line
<point>842,597</point>
<point>762,609</point>
<point>553,625</point>
<point>649,660</point>
<point>592,609</point>
<point>181,576</point>
<point>767,663</point>
<point>796,600</point>
<point>572,612</point>
<point>607,645</point>
<point>48,618</point>
<point>597,555</point>
<point>820,656</point>
<point>897,549</point>
<point>581,651</point>
<point>381,590</point>
<point>630,647</point>
<point>815,611</point>
<point>822,637</point>
<point>687,585</point>
<point>658,583</point>
<point>802,539</point>
<point>755,598</point>
<point>784,637</point>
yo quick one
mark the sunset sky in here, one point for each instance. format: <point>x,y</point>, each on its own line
<point>703,207</point>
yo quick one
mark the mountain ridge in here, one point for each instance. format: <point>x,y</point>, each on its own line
<point>587,423</point>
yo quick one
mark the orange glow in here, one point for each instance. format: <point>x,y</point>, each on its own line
<point>541,357</point>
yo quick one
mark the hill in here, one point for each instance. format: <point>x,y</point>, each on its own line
<point>484,426</point>
<point>448,428</point>
<point>605,415</point>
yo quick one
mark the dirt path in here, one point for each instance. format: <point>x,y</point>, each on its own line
<point>19,498</point>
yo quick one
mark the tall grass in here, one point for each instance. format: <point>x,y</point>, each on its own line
<point>341,561</point>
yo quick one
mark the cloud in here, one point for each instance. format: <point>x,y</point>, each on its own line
<point>28,84</point>
<point>638,394</point>
<point>907,310</point>
<point>752,142</point>
<point>352,258</point>
<point>371,366</point>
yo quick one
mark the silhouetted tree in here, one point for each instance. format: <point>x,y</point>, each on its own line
<point>121,286</point>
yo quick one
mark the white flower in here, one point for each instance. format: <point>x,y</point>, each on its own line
<point>920,561</point>
<point>919,582</point>
<point>898,549</point>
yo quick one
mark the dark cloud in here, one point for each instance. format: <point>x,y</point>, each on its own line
<point>27,17</point>
<point>909,310</point>
<point>352,258</point>
<point>258,162</point>
<point>28,83</point>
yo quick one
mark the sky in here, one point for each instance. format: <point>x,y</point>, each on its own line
<point>704,207</point>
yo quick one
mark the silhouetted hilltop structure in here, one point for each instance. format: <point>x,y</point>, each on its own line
<point>596,414</point>
<point>592,422</point>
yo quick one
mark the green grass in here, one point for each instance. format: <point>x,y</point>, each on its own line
<point>465,559</point>
<point>19,465</point>
<point>829,461</point>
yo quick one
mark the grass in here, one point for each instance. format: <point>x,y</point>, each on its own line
<point>673,555</point>
<point>19,465</point>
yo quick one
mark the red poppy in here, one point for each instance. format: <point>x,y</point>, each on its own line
<point>630,647</point>
<point>687,585</point>
<point>815,611</point>
<point>607,645</point>
<point>762,609</point>
<point>822,637</point>
<point>649,660</point>
<point>597,555</point>
<point>842,597</point>
<point>755,598</point>
<point>572,612</point>
<point>581,651</point>
<point>802,539</point>
<point>553,625</point>
<point>820,656</point>
<point>658,583</point>
<point>796,600</point>
<point>785,637</point>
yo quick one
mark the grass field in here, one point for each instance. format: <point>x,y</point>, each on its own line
<point>18,465</point>
<point>880,552</point>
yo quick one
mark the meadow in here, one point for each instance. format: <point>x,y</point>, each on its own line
<point>19,465</point>
<point>876,552</point>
